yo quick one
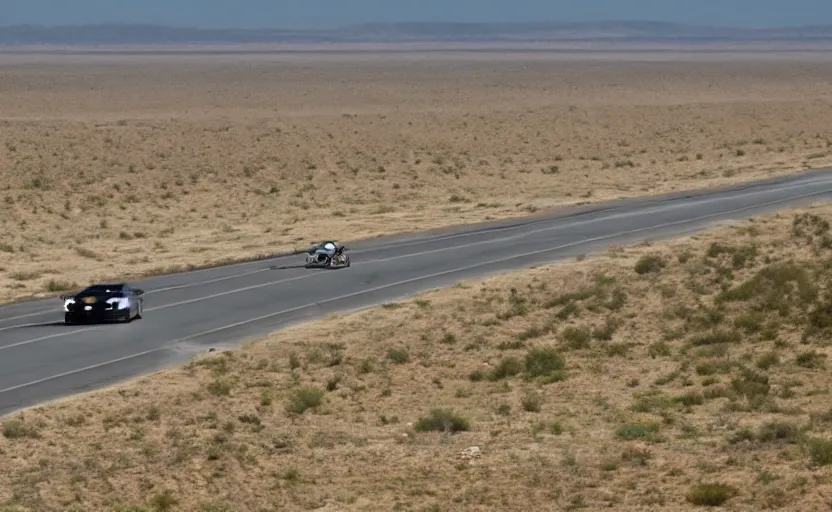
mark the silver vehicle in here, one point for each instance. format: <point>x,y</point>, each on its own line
<point>327,254</point>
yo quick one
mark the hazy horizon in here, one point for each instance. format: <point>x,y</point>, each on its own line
<point>323,14</point>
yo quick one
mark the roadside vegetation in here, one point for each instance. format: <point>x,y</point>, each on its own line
<point>675,376</point>
<point>156,167</point>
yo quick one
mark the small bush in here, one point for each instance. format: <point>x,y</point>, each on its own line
<point>650,402</point>
<point>606,332</point>
<point>15,429</point>
<point>219,387</point>
<point>59,286</point>
<point>398,355</point>
<point>767,360</point>
<point>782,432</point>
<point>751,324</point>
<point>689,399</point>
<point>711,494</point>
<point>543,362</point>
<point>442,420</point>
<point>649,263</point>
<point>810,359</point>
<point>508,367</point>
<point>303,399</point>
<point>164,501</point>
<point>713,367</point>
<point>658,349</point>
<point>715,337</point>
<point>532,402</point>
<point>577,337</point>
<point>774,288</point>
<point>820,451</point>
<point>569,298</point>
<point>751,384</point>
<point>637,431</point>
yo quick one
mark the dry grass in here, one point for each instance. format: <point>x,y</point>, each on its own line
<point>673,376</point>
<point>114,167</point>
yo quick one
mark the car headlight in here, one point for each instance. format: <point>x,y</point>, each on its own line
<point>67,302</point>
<point>119,302</point>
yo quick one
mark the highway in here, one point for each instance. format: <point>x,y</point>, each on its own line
<point>42,359</point>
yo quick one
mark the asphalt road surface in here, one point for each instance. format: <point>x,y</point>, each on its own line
<point>42,359</point>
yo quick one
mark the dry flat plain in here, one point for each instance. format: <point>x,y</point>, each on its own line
<point>118,166</point>
<point>671,377</point>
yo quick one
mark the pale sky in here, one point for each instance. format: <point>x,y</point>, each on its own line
<point>331,13</point>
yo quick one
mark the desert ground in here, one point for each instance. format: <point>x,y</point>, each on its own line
<point>675,376</point>
<point>115,167</point>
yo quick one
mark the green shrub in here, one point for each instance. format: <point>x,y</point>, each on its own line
<point>577,337</point>
<point>715,337</point>
<point>532,402</point>
<point>774,288</point>
<point>751,384</point>
<point>775,431</point>
<point>820,451</point>
<point>14,429</point>
<point>637,431</point>
<point>398,355</point>
<point>649,263</point>
<point>508,367</point>
<point>303,399</point>
<point>543,362</point>
<point>442,420</point>
<point>711,494</point>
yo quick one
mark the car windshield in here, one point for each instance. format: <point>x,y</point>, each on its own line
<point>103,289</point>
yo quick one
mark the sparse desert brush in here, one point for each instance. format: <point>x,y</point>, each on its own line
<point>442,420</point>
<point>674,376</point>
<point>201,179</point>
<point>711,494</point>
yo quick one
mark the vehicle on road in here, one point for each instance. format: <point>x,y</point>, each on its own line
<point>327,254</point>
<point>103,302</point>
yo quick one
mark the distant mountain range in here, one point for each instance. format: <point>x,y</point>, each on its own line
<point>613,31</point>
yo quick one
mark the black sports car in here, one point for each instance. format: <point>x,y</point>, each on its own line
<point>118,301</point>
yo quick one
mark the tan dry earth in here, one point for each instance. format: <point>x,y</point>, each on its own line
<point>117,166</point>
<point>662,377</point>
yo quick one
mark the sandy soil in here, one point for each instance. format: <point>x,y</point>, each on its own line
<point>120,166</point>
<point>665,377</point>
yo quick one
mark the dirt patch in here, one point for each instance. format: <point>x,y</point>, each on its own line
<point>117,167</point>
<point>669,377</point>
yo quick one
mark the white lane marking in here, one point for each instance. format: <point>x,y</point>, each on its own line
<point>80,370</point>
<point>455,247</point>
<point>148,292</point>
<point>26,315</point>
<point>398,283</point>
<point>708,197</point>
<point>39,313</point>
<point>229,292</point>
<point>52,312</point>
<point>42,338</point>
<point>21,326</point>
<point>199,283</point>
<point>554,228</point>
